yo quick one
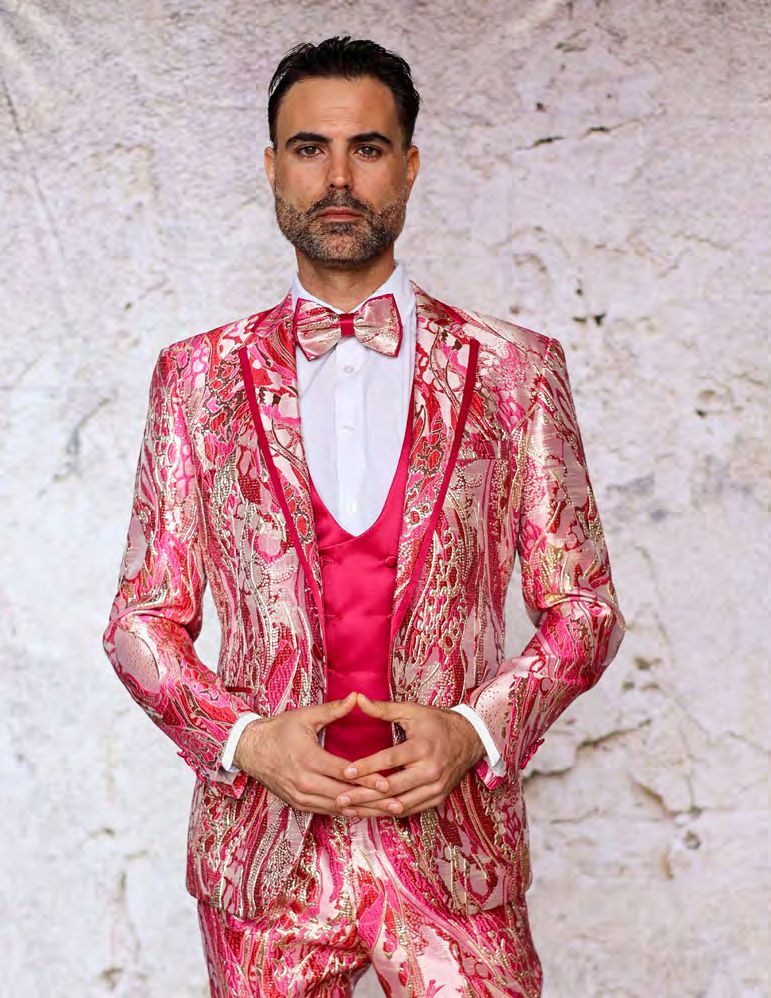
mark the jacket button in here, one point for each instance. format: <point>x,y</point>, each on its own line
<point>390,561</point>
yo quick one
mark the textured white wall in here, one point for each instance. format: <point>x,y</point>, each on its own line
<point>590,170</point>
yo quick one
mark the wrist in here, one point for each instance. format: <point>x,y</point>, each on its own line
<point>246,748</point>
<point>476,748</point>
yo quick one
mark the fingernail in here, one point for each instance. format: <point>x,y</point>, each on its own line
<point>381,785</point>
<point>393,806</point>
<point>345,800</point>
<point>351,771</point>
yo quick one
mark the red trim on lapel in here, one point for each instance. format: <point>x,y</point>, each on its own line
<point>246,371</point>
<point>468,388</point>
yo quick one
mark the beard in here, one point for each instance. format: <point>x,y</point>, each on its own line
<point>341,245</point>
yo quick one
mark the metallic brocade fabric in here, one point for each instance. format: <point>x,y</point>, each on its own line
<point>496,470</point>
<point>353,902</point>
<point>376,324</point>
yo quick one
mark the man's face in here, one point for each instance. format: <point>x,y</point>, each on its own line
<point>339,145</point>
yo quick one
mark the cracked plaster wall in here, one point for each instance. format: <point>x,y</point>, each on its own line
<point>590,170</point>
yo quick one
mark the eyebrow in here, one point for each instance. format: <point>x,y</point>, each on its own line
<point>324,139</point>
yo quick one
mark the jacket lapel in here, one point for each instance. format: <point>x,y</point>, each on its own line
<point>269,370</point>
<point>442,389</point>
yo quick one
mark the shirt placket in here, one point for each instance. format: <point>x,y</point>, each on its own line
<point>349,431</point>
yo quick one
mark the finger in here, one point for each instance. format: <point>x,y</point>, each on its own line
<point>373,805</point>
<point>325,713</point>
<point>318,771</point>
<point>425,796</point>
<point>316,803</point>
<point>332,766</point>
<point>399,783</point>
<point>370,812</point>
<point>386,710</point>
<point>389,758</point>
<point>316,783</point>
<point>313,787</point>
<point>310,782</point>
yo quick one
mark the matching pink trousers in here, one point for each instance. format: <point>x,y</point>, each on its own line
<point>347,908</point>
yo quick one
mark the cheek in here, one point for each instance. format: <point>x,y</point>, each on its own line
<point>379,187</point>
<point>301,186</point>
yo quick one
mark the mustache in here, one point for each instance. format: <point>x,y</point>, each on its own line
<point>351,205</point>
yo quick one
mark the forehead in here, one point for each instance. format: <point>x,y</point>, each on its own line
<point>337,106</point>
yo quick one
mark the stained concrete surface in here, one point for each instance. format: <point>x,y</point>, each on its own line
<point>591,170</point>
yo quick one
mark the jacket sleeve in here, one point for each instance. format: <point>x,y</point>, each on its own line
<point>156,615</point>
<point>566,583</point>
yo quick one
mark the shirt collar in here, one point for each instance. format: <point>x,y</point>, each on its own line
<point>397,283</point>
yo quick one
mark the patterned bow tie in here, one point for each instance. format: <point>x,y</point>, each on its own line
<point>376,324</point>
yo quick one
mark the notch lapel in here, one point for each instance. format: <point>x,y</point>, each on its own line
<point>442,393</point>
<point>269,370</point>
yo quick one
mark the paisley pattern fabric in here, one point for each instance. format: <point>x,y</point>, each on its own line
<point>377,324</point>
<point>496,469</point>
<point>355,900</point>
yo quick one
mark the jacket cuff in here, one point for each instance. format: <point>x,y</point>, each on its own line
<point>485,773</point>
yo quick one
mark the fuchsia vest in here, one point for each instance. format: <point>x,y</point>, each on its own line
<point>358,574</point>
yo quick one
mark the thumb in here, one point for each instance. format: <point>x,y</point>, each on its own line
<point>332,709</point>
<point>385,709</point>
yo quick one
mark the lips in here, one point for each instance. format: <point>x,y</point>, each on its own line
<point>339,212</point>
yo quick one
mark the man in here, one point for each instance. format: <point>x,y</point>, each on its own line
<point>353,470</point>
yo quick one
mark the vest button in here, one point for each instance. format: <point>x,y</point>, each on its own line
<point>390,561</point>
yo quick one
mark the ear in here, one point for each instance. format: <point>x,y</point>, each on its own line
<point>413,166</point>
<point>269,158</point>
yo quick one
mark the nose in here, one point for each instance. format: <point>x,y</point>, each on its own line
<point>339,173</point>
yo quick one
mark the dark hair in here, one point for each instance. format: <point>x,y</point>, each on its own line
<point>348,58</point>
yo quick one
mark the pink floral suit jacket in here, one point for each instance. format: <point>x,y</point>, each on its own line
<point>496,468</point>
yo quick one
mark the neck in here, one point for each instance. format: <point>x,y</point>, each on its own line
<point>344,288</point>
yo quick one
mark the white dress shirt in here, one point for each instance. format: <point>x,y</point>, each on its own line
<point>354,404</point>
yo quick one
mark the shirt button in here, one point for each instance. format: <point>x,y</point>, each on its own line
<point>390,561</point>
<point>349,368</point>
<point>347,427</point>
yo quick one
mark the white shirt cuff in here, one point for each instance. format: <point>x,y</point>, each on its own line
<point>494,758</point>
<point>232,742</point>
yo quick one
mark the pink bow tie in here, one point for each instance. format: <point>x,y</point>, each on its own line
<point>376,324</point>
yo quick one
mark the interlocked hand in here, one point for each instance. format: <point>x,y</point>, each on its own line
<point>440,747</point>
